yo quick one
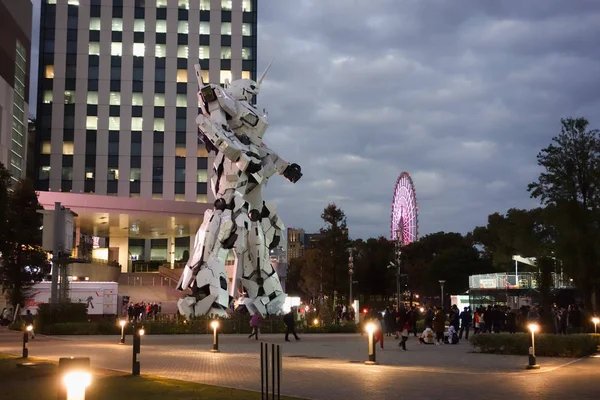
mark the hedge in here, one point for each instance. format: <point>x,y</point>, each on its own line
<point>546,345</point>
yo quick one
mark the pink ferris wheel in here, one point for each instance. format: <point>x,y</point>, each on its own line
<point>405,220</point>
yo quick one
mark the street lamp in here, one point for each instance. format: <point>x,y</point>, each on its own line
<point>76,377</point>
<point>371,330</point>
<point>595,320</point>
<point>532,361</point>
<point>122,323</point>
<point>442,289</point>
<point>215,326</point>
<point>28,329</point>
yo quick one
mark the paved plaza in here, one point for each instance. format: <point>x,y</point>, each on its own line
<point>330,366</point>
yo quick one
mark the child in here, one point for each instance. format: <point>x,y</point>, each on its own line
<point>404,336</point>
<point>452,335</point>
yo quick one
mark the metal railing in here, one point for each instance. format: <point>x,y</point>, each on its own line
<point>151,280</point>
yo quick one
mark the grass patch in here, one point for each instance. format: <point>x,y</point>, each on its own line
<point>546,345</point>
<point>41,382</point>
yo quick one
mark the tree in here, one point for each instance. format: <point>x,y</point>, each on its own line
<point>333,245</point>
<point>23,261</point>
<point>570,187</point>
<point>371,259</point>
<point>311,278</point>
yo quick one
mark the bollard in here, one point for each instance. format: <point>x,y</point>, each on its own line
<point>25,341</point>
<point>372,356</point>
<point>74,372</point>
<point>137,344</point>
<point>532,360</point>
<point>215,326</point>
<point>274,364</point>
<point>122,323</point>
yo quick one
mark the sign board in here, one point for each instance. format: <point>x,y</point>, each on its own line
<point>487,283</point>
<point>100,297</point>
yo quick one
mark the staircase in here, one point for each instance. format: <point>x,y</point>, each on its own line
<point>153,287</point>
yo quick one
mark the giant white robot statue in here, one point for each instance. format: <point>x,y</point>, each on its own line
<point>241,220</point>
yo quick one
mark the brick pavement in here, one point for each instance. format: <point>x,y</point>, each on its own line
<point>425,371</point>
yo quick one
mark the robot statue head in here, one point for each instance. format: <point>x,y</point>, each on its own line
<point>245,89</point>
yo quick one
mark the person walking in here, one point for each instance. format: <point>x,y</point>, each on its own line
<point>290,325</point>
<point>254,323</point>
<point>404,336</point>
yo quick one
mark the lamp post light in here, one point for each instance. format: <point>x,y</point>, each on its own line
<point>371,330</point>
<point>532,361</point>
<point>596,320</point>
<point>215,326</point>
<point>122,323</point>
<point>442,290</point>
<point>76,377</point>
<point>350,273</point>
<point>137,346</point>
<point>28,329</point>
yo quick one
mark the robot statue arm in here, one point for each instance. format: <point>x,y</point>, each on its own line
<point>273,163</point>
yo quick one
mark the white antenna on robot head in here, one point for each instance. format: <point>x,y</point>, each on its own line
<point>262,77</point>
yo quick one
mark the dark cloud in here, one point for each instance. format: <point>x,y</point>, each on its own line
<point>462,96</point>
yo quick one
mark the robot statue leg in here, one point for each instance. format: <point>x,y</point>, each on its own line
<point>205,273</point>
<point>260,279</point>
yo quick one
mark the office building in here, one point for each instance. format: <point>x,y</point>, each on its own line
<point>116,137</point>
<point>15,50</point>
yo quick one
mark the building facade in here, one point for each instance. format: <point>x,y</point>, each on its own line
<point>114,124</point>
<point>15,50</point>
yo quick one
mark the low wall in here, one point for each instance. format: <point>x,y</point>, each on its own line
<point>95,272</point>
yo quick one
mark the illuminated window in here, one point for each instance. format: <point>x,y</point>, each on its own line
<point>204,52</point>
<point>69,97</point>
<point>246,5</point>
<point>226,53</point>
<point>180,197</point>
<point>246,30</point>
<point>49,72</point>
<point>113,174</point>
<point>160,51</point>
<point>201,198</point>
<point>46,147</point>
<point>161,26</point>
<point>135,174</point>
<point>161,3</point>
<point>159,99</point>
<point>114,123</point>
<point>157,196</point>
<point>184,4</point>
<point>202,176</point>
<point>205,28</point>
<point>138,49</point>
<point>94,49</point>
<point>47,96</point>
<point>246,75</point>
<point>137,99</point>
<point>51,1</point>
<point>226,4</point>
<point>183,27</point>
<point>182,76</point>
<point>115,99</point>
<point>68,148</point>
<point>92,98</point>
<point>89,175</point>
<point>73,2</point>
<point>205,5</point>
<point>44,172</point>
<point>182,51</point>
<point>246,53</point>
<point>225,28</point>
<point>202,152</point>
<point>94,24</point>
<point>136,123</point>
<point>91,123</point>
<point>180,151</point>
<point>139,25</point>
<point>181,100</point>
<point>159,124</point>
<point>117,24</point>
<point>116,49</point>
<point>225,75</point>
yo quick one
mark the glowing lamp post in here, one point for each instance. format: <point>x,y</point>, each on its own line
<point>122,323</point>
<point>137,346</point>
<point>315,322</point>
<point>26,332</point>
<point>371,330</point>
<point>532,361</point>
<point>76,377</point>
<point>595,320</point>
<point>215,326</point>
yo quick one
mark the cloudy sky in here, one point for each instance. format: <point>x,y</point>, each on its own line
<point>460,94</point>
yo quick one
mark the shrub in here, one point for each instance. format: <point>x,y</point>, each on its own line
<point>60,313</point>
<point>546,345</point>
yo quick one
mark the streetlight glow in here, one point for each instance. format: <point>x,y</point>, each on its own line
<point>122,323</point>
<point>370,328</point>
<point>29,328</point>
<point>595,320</point>
<point>533,327</point>
<point>142,332</point>
<point>214,324</point>
<point>76,383</point>
<point>315,321</point>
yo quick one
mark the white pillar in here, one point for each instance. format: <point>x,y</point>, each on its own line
<point>147,248</point>
<point>122,243</point>
<point>171,251</point>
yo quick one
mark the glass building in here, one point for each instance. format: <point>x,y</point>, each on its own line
<point>116,137</point>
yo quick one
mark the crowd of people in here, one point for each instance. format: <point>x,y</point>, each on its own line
<point>449,326</point>
<point>143,311</point>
